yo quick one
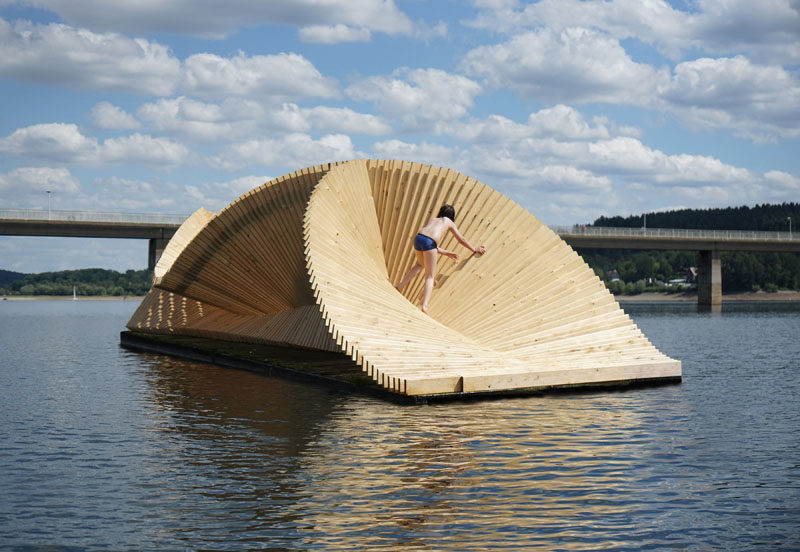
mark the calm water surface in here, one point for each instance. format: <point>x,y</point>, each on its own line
<point>105,449</point>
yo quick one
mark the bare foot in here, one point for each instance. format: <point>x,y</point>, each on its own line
<point>425,309</point>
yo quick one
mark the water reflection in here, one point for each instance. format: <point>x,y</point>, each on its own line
<point>469,475</point>
<point>236,439</point>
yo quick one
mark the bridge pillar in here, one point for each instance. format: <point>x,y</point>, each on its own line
<point>709,278</point>
<point>156,248</point>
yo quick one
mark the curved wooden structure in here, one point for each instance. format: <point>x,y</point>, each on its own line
<point>309,260</point>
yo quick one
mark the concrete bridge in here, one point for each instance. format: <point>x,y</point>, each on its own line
<point>159,228</point>
<point>708,244</point>
<point>156,228</point>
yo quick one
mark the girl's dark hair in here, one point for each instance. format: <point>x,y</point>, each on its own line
<point>447,211</point>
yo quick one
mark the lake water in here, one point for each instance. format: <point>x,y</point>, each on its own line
<point>106,449</point>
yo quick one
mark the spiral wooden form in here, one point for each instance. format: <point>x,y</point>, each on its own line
<point>310,260</point>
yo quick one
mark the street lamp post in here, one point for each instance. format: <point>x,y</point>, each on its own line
<point>48,204</point>
<point>790,227</point>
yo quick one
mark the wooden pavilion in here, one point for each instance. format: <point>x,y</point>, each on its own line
<point>310,260</point>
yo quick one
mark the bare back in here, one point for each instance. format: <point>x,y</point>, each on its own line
<point>436,228</point>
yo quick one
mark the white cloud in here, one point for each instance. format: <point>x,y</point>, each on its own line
<point>425,152</point>
<point>26,187</point>
<point>557,124</point>
<point>195,119</point>
<point>54,142</point>
<point>57,54</point>
<point>108,116</point>
<point>61,55</point>
<point>278,76</point>
<point>59,142</point>
<point>567,123</point>
<point>217,19</point>
<point>338,119</point>
<point>292,151</point>
<point>141,149</point>
<point>759,102</point>
<point>576,65</point>
<point>217,195</point>
<point>419,98</point>
<point>334,34</point>
<point>289,118</point>
<point>767,32</point>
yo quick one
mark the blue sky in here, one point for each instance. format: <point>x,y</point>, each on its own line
<point>574,109</point>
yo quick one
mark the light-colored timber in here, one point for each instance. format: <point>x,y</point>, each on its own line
<point>310,260</point>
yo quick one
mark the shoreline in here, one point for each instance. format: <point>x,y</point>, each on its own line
<point>70,298</point>
<point>757,296</point>
<point>781,295</point>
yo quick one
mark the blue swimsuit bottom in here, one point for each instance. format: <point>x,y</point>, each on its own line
<point>424,243</point>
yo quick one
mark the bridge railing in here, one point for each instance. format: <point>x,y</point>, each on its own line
<point>576,230</point>
<point>91,216</point>
<point>674,233</point>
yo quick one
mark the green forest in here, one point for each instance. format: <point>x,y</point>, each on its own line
<point>741,271</point>
<point>87,282</point>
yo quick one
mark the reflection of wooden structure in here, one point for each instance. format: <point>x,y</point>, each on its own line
<point>310,259</point>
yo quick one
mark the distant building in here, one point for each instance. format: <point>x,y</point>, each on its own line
<point>612,275</point>
<point>690,276</point>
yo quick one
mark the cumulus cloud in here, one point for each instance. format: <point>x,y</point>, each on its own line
<point>64,143</point>
<point>58,142</point>
<point>342,119</point>
<point>25,187</point>
<point>291,151</point>
<point>768,33</point>
<point>334,34</point>
<point>279,75</point>
<point>59,54</point>
<point>418,98</point>
<point>199,120</point>
<point>560,123</point>
<point>759,102</point>
<point>108,116</point>
<point>216,19</point>
<point>573,65</point>
<point>216,195</point>
<point>424,152</point>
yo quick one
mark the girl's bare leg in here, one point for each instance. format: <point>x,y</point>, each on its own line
<point>407,278</point>
<point>429,259</point>
<point>412,271</point>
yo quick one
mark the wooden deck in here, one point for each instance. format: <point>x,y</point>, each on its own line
<point>310,260</point>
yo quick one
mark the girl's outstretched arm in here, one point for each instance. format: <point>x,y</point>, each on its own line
<point>463,241</point>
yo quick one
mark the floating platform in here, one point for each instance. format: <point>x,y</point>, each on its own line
<point>309,260</point>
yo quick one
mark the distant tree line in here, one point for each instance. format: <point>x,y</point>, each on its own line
<point>741,270</point>
<point>8,276</point>
<point>87,282</point>
<point>764,218</point>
